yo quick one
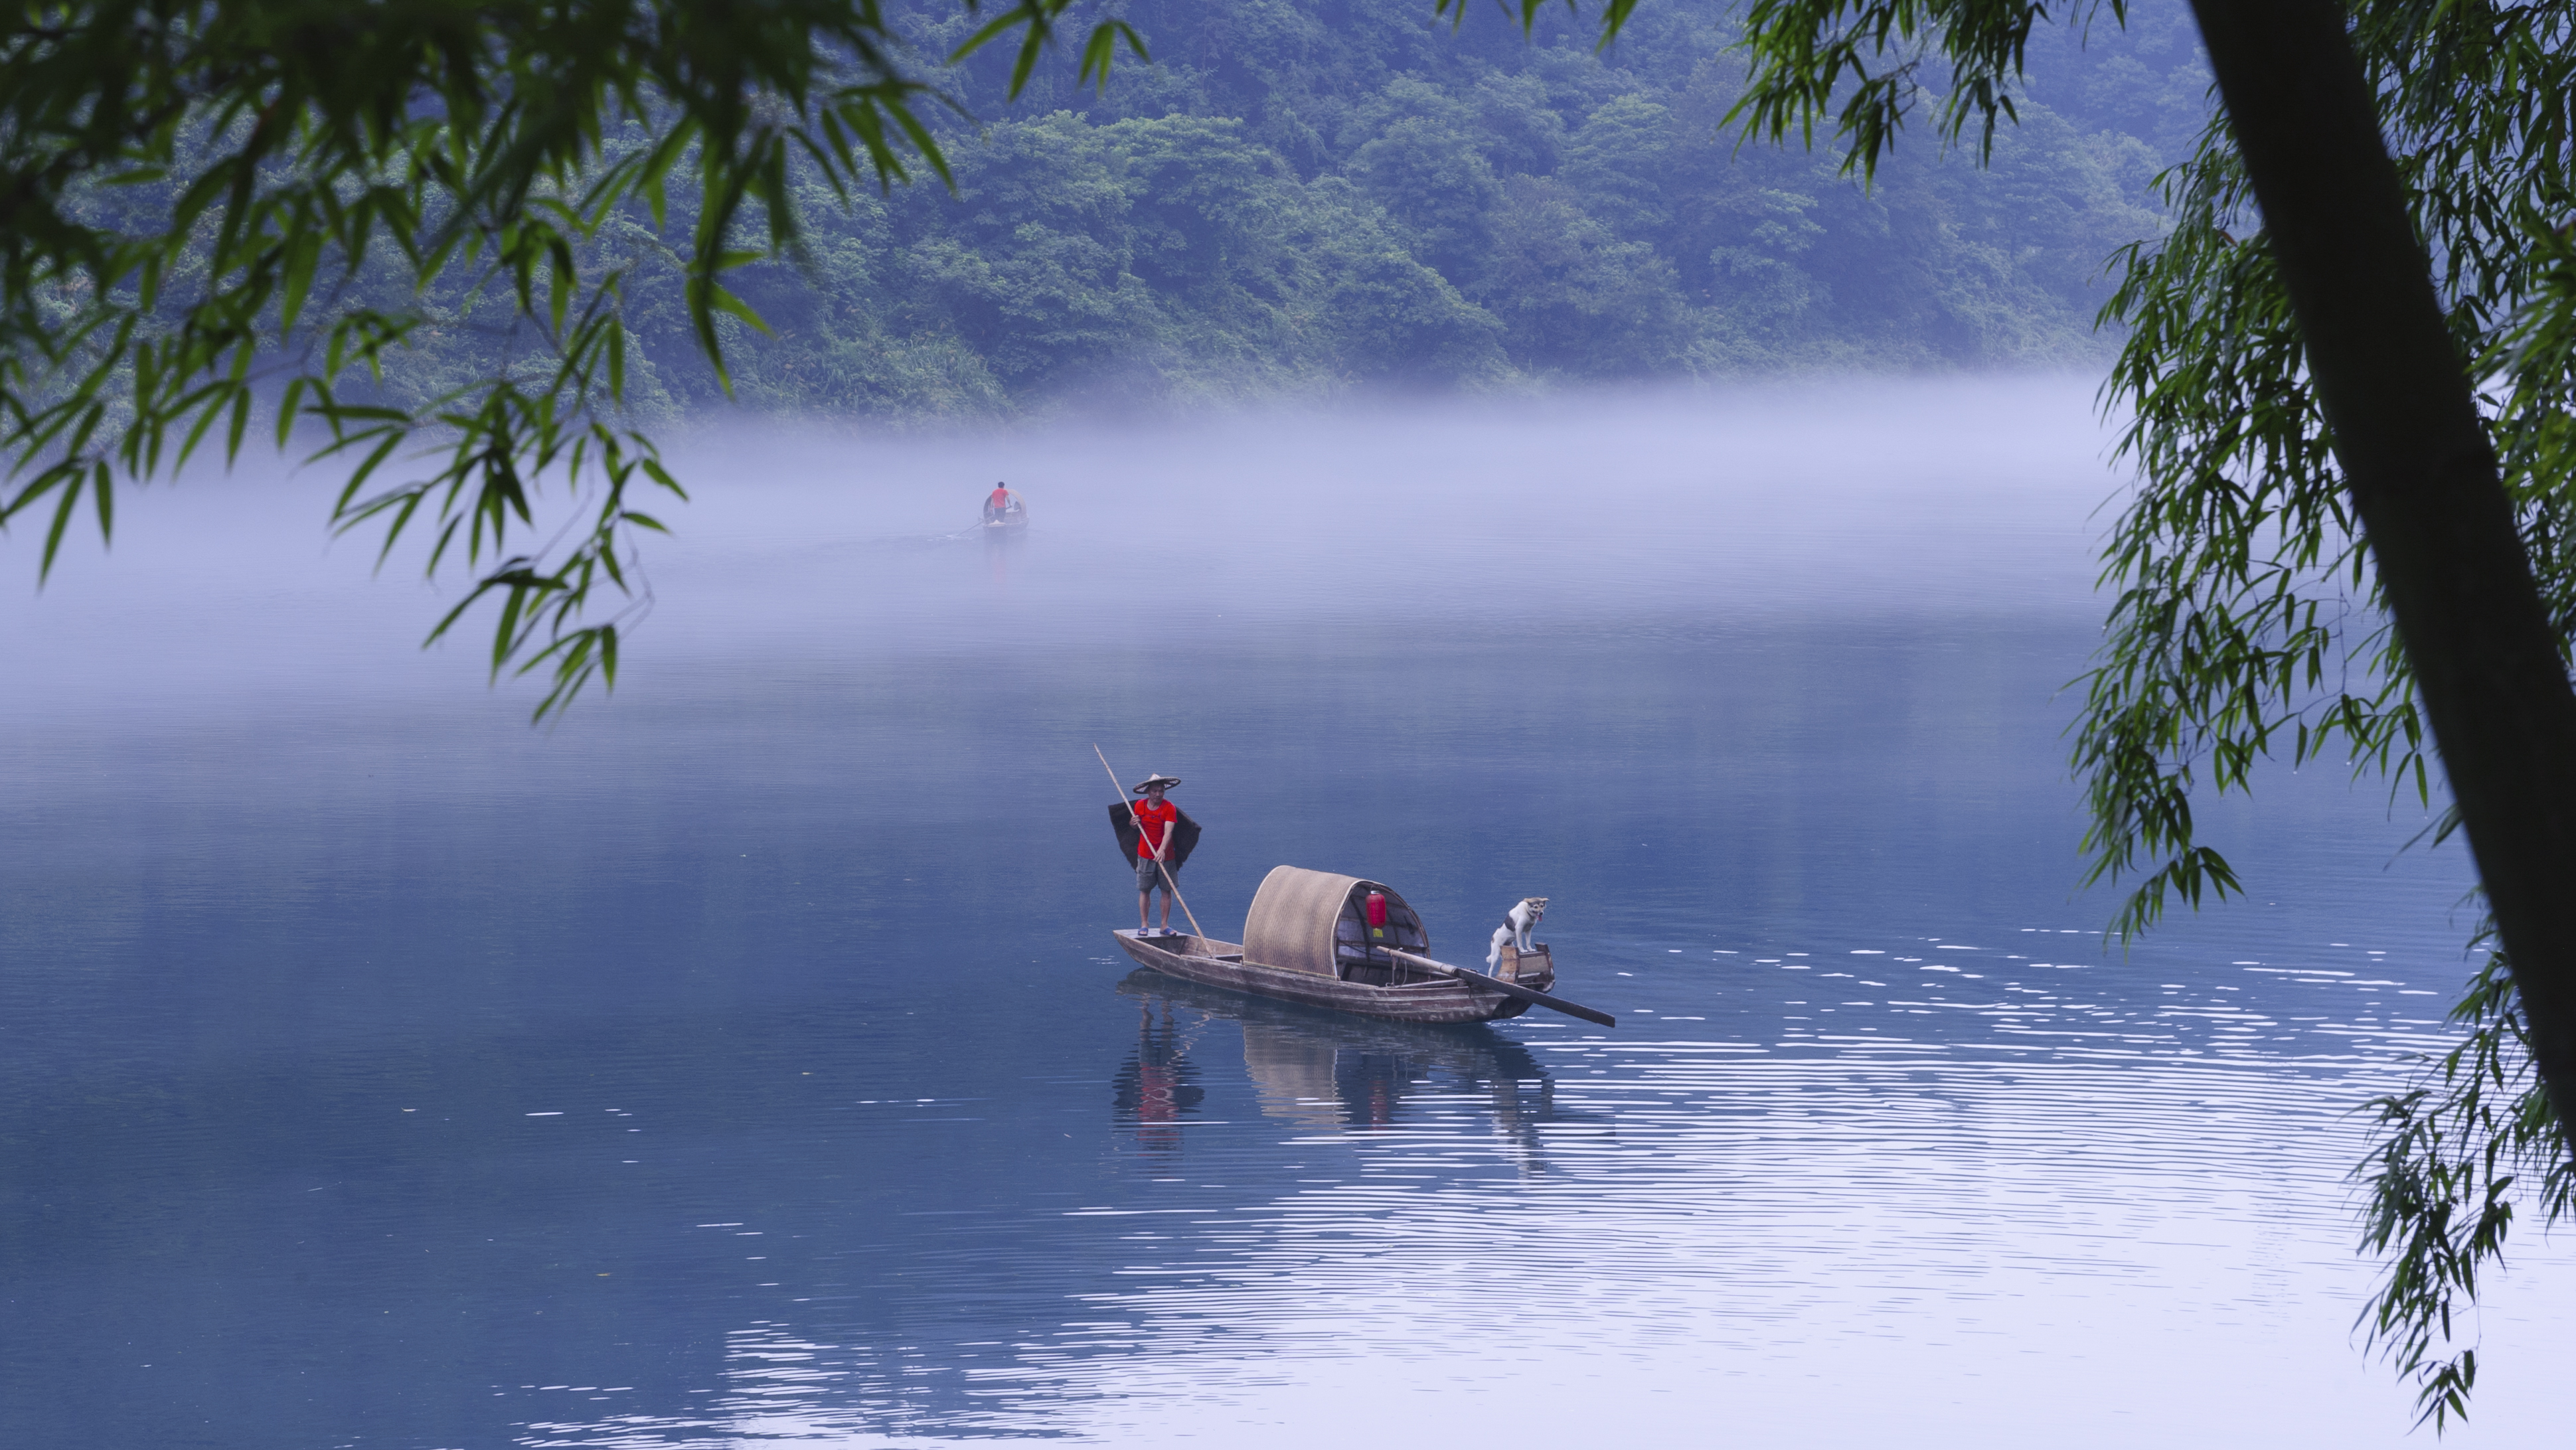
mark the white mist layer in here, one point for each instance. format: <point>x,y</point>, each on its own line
<point>821,547</point>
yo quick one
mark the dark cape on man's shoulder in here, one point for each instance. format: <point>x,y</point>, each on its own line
<point>1185,834</point>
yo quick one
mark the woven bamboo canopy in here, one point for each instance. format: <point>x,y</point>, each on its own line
<point>1299,916</point>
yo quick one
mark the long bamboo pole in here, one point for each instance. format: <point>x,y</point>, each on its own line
<point>1169,884</point>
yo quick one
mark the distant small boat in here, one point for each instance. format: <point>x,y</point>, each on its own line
<point>1011,521</point>
<point>1306,940</point>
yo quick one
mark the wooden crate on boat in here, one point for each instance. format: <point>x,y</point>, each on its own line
<point>1530,968</point>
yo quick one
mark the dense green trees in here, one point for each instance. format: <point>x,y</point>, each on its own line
<point>1307,197</point>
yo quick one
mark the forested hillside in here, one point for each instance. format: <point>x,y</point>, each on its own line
<point>1303,195</point>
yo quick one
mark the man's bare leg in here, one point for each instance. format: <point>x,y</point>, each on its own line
<point>1144,909</point>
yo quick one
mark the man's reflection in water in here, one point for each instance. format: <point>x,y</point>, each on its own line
<point>1158,1083</point>
<point>1000,547</point>
<point>1322,1070</point>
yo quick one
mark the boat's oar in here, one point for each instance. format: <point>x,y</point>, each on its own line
<point>1160,864</point>
<point>1509,989</point>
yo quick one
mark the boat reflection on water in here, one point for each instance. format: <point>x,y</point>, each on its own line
<point>1158,1082</point>
<point>1321,1069</point>
<point>1001,546</point>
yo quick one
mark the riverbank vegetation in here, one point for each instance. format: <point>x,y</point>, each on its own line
<point>1296,200</point>
<point>1325,197</point>
<point>1304,199</point>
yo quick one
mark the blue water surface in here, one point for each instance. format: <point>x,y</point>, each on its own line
<point>745,1061</point>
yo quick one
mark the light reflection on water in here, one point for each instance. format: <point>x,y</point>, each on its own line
<point>1499,1212</point>
<point>1689,1217</point>
<point>746,1062</point>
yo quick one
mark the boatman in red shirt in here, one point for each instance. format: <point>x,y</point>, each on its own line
<point>1000,503</point>
<point>1157,837</point>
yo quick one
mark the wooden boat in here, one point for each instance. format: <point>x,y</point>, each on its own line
<point>1306,940</point>
<point>1009,525</point>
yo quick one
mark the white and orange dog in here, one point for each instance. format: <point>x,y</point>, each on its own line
<point>1517,925</point>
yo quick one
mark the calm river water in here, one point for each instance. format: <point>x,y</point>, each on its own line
<point>745,1062</point>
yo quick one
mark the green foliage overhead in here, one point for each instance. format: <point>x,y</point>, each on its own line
<point>468,251</point>
<point>2248,624</point>
<point>2239,563</point>
<point>202,204</point>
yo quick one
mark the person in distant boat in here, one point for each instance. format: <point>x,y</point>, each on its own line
<point>1157,836</point>
<point>1000,504</point>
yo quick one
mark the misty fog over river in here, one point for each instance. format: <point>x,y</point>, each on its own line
<point>745,1061</point>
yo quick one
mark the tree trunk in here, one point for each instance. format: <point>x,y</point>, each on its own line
<point>2423,478</point>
